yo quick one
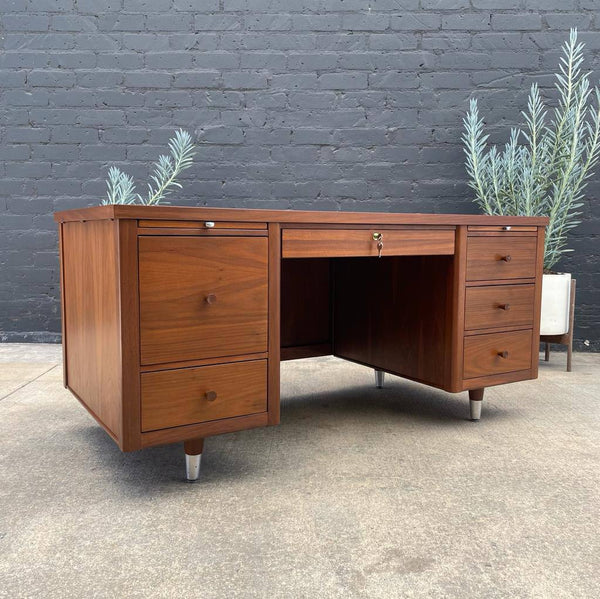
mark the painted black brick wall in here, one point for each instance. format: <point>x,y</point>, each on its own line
<point>323,104</point>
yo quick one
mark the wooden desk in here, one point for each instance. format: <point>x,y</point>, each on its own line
<point>175,319</point>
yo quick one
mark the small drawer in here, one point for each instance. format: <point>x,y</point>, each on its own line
<point>497,353</point>
<point>499,306</point>
<point>192,395</point>
<point>341,243</point>
<point>501,257</point>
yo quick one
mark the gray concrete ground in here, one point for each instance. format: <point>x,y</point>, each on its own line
<point>358,493</point>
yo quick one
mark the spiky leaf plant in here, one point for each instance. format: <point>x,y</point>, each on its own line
<point>120,187</point>
<point>164,178</point>
<point>544,167</point>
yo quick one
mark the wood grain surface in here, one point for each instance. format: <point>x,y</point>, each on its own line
<point>482,353</point>
<point>501,257</point>
<point>288,216</point>
<point>499,305</point>
<point>393,314</point>
<point>178,278</point>
<point>305,302</point>
<point>339,243</point>
<point>179,397</point>
<point>91,318</point>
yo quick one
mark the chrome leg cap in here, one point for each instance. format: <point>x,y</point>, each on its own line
<point>475,407</point>
<point>379,377</point>
<point>192,467</point>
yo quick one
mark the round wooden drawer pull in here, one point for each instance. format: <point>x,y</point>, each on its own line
<point>211,298</point>
<point>503,354</point>
<point>210,395</point>
<point>506,258</point>
<point>504,306</point>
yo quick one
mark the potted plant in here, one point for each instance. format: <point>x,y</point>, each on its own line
<point>121,187</point>
<point>542,170</point>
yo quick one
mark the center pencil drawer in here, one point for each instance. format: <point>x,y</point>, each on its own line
<point>501,257</point>
<point>192,395</point>
<point>202,297</point>
<point>342,243</point>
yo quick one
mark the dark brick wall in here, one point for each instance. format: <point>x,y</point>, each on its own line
<point>327,104</point>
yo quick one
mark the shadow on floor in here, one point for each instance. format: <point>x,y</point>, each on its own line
<point>148,471</point>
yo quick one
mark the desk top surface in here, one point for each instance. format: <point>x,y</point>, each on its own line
<point>288,216</point>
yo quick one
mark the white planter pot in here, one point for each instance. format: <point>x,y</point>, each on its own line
<point>556,297</point>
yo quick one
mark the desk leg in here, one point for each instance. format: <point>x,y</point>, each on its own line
<point>379,378</point>
<point>475,401</point>
<point>193,456</point>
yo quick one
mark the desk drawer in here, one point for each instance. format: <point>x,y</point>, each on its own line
<point>202,297</point>
<point>341,243</point>
<point>499,306</point>
<point>501,257</point>
<point>192,395</point>
<point>497,353</point>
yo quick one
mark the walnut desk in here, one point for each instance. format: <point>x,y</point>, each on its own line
<point>175,319</point>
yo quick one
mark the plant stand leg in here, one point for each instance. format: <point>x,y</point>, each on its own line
<point>193,456</point>
<point>379,378</point>
<point>547,352</point>
<point>571,325</point>
<point>475,401</point>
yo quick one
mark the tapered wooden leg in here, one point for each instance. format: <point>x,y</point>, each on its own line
<point>475,401</point>
<point>547,352</point>
<point>570,351</point>
<point>193,456</point>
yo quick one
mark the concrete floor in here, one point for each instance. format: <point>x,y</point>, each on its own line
<point>358,493</point>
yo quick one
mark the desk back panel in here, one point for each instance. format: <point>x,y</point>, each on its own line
<point>394,314</point>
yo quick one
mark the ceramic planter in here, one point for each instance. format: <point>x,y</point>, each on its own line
<point>556,292</point>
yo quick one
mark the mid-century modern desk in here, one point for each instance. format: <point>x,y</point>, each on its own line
<point>175,319</point>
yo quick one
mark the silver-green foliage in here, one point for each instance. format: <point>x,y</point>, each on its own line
<point>121,187</point>
<point>547,173</point>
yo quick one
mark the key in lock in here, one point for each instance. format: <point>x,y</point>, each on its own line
<point>378,237</point>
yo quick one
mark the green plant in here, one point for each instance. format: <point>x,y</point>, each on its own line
<point>545,175</point>
<point>121,187</point>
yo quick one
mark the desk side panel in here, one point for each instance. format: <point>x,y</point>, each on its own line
<point>91,319</point>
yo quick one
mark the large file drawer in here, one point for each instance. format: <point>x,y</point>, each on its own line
<point>202,297</point>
